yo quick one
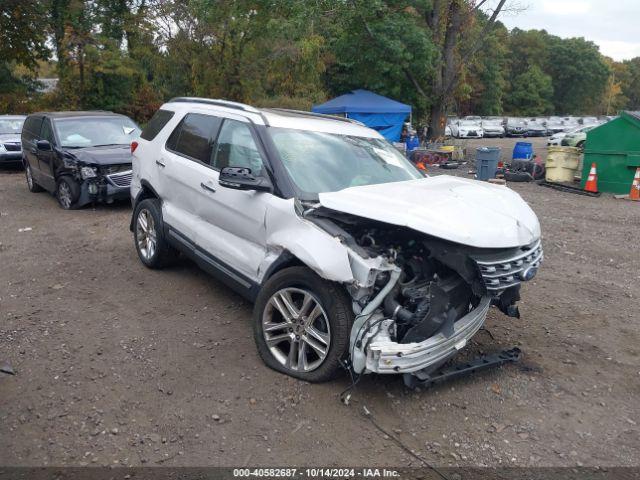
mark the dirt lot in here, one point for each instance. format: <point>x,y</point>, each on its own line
<point>118,364</point>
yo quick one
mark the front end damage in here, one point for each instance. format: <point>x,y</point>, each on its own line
<point>418,299</point>
<point>98,183</point>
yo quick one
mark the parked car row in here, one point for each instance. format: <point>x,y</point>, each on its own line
<point>318,220</point>
<point>478,127</point>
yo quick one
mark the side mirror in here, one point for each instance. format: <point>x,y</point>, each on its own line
<point>43,145</point>
<point>241,178</point>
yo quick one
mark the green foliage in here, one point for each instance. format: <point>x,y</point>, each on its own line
<point>630,83</point>
<point>486,77</point>
<point>579,75</point>
<point>22,28</point>
<point>22,42</point>
<point>131,55</point>
<point>379,43</point>
<point>531,92</point>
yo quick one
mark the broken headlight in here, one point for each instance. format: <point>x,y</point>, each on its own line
<point>87,172</point>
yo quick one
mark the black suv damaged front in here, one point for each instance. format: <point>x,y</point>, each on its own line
<point>81,157</point>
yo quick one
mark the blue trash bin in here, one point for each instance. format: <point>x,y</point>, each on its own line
<point>487,159</point>
<point>523,151</point>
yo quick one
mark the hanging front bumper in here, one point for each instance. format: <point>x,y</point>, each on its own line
<point>387,356</point>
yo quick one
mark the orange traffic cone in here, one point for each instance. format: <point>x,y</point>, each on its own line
<point>634,194</point>
<point>592,180</point>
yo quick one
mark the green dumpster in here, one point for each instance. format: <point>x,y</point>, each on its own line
<point>615,149</point>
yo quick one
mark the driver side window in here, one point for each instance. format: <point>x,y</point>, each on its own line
<point>46,133</point>
<point>236,147</point>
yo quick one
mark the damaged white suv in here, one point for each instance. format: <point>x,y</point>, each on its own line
<point>352,257</point>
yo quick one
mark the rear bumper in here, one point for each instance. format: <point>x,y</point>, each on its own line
<point>386,356</point>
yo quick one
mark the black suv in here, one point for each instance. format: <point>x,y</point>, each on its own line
<point>81,157</point>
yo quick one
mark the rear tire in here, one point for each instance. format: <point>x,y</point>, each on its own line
<point>31,183</point>
<point>297,311</point>
<point>148,235</point>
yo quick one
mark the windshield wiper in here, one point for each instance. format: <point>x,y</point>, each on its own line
<point>112,145</point>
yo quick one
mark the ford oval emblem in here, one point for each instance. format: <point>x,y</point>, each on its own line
<point>528,274</point>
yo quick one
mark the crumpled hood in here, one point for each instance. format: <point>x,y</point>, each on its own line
<point>9,138</point>
<point>468,212</point>
<point>102,155</point>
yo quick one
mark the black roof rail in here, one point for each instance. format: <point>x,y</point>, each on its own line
<point>314,114</point>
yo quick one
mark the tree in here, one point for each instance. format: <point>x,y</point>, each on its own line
<point>630,83</point>
<point>22,38</point>
<point>486,76</point>
<point>531,94</point>
<point>613,98</point>
<point>384,47</point>
<point>22,43</point>
<point>447,20</point>
<point>579,74</point>
<point>526,48</point>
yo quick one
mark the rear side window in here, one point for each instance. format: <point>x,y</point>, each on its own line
<point>157,123</point>
<point>47,132</point>
<point>194,136</point>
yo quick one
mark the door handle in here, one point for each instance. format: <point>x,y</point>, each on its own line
<point>160,164</point>
<point>207,187</point>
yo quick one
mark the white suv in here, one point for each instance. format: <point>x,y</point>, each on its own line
<point>352,257</point>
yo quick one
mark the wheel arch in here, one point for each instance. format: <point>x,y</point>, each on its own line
<point>285,260</point>
<point>146,191</point>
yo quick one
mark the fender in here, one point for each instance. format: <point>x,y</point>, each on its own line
<point>147,191</point>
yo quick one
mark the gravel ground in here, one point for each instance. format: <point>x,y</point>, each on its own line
<point>120,365</point>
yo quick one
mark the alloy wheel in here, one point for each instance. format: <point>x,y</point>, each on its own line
<point>64,195</point>
<point>296,329</point>
<point>146,234</point>
<point>29,177</point>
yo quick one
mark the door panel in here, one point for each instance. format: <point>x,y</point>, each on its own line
<point>31,129</point>
<point>180,165</point>
<point>46,158</point>
<point>232,226</point>
<point>224,223</point>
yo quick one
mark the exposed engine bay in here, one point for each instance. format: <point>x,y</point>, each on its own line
<point>426,290</point>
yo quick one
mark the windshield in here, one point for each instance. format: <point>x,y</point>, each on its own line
<point>11,125</point>
<point>515,121</point>
<point>468,123</point>
<point>95,131</point>
<point>320,162</point>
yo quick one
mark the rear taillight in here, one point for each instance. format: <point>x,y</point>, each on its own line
<point>134,145</point>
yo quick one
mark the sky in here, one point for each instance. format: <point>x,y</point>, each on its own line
<point>614,25</point>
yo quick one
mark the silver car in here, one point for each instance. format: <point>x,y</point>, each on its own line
<point>10,146</point>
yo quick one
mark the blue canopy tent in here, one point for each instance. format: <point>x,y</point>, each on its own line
<point>375,111</point>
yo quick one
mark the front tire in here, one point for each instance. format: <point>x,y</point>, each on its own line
<point>148,235</point>
<point>302,324</point>
<point>31,183</point>
<point>67,192</point>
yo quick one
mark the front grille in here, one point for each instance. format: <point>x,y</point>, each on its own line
<point>122,179</point>
<point>501,273</point>
<point>109,169</point>
<point>12,147</point>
